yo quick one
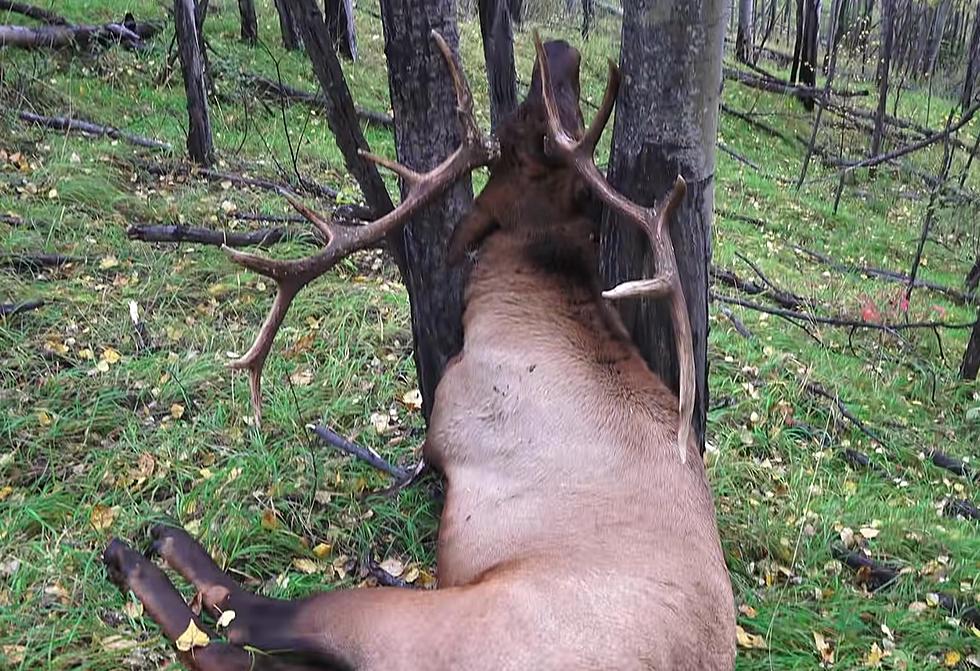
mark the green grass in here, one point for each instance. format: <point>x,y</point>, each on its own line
<point>166,434</point>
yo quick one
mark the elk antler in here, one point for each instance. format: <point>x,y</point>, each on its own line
<point>653,221</point>
<point>291,276</point>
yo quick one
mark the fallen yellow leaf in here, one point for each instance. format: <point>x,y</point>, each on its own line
<point>176,411</point>
<point>413,399</point>
<point>304,565</point>
<point>44,418</point>
<point>6,491</point>
<point>269,520</point>
<point>192,637</point>
<point>321,550</point>
<point>102,516</point>
<point>951,659</point>
<point>225,619</point>
<point>824,647</point>
<point>874,657</point>
<point>747,640</point>
<point>109,355</point>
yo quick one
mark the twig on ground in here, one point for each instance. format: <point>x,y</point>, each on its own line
<point>951,464</point>
<point>92,129</point>
<point>818,390</point>
<point>32,12</point>
<point>961,508</point>
<point>334,439</point>
<point>208,236</point>
<point>869,572</point>
<point>36,261</point>
<point>740,327</point>
<point>10,309</point>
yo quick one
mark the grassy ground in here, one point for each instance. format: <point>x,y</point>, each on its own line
<point>99,438</point>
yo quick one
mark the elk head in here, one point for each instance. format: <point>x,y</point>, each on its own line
<point>542,183</point>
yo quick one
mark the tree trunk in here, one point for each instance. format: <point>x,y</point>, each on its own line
<point>884,68</point>
<point>835,28</point>
<point>250,22</point>
<point>972,63</point>
<point>936,32</point>
<point>588,17</point>
<point>287,24</point>
<point>516,11</point>
<point>339,16</point>
<point>971,358</point>
<point>808,58</point>
<point>743,36</point>
<point>666,124</point>
<point>426,132</point>
<point>798,43</point>
<point>498,52</point>
<point>199,143</point>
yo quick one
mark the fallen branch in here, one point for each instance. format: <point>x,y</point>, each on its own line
<point>951,464</point>
<point>915,146</point>
<point>33,12</point>
<point>740,327</point>
<point>817,390</point>
<point>77,36</point>
<point>11,219</point>
<point>209,236</point>
<point>969,615</point>
<point>738,157</point>
<point>10,309</point>
<point>784,87</point>
<point>888,275</point>
<point>94,129</point>
<point>973,277</point>
<point>35,261</point>
<point>961,508</point>
<point>276,90</point>
<point>869,572</point>
<point>856,113</point>
<point>834,321</point>
<point>334,439</point>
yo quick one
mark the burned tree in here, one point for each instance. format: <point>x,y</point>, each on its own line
<point>805,52</point>
<point>339,17</point>
<point>498,51</point>
<point>250,22</point>
<point>744,48</point>
<point>424,107</point>
<point>972,63</point>
<point>199,143</point>
<point>884,70</point>
<point>287,25</point>
<point>666,125</point>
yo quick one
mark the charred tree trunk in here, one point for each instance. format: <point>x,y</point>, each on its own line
<point>884,69</point>
<point>588,17</point>
<point>744,49</point>
<point>250,22</point>
<point>426,131</point>
<point>798,43</point>
<point>972,63</point>
<point>971,358</point>
<point>666,124</point>
<point>199,143</point>
<point>808,59</point>
<point>287,24</point>
<point>339,16</point>
<point>516,11</point>
<point>835,28</point>
<point>498,51</point>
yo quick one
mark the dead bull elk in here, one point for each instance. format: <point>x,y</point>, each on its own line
<point>572,537</point>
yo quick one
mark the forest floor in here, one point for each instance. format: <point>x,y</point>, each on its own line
<point>100,436</point>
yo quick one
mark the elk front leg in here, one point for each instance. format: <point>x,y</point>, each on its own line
<point>130,570</point>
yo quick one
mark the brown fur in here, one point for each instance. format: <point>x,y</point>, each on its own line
<point>572,537</point>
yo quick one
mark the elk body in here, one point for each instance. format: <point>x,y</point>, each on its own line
<point>572,537</point>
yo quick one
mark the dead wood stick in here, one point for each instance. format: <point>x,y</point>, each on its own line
<point>784,87</point>
<point>871,573</point>
<point>334,439</point>
<point>35,261</point>
<point>888,275</point>
<point>951,464</point>
<point>969,615</point>
<point>915,146</point>
<point>895,122</point>
<point>835,321</point>
<point>277,218</point>
<point>738,157</point>
<point>90,128</point>
<point>210,236</point>
<point>274,89</point>
<point>961,508</point>
<point>11,219</point>
<point>818,390</point>
<point>973,277</point>
<point>78,36</point>
<point>740,326</point>
<point>10,309</point>
<point>33,12</point>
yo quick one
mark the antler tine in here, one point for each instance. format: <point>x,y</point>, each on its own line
<point>653,221</point>
<point>291,275</point>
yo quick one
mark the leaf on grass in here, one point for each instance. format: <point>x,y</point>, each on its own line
<point>379,420</point>
<point>269,521</point>
<point>393,566</point>
<point>321,550</point>
<point>307,566</point>
<point>192,637</point>
<point>108,262</point>
<point>875,655</point>
<point>869,532</point>
<point>117,642</point>
<point>6,491</point>
<point>133,609</point>
<point>110,355</point>
<point>225,619</point>
<point>44,418</point>
<point>102,516</point>
<point>824,647</point>
<point>413,399</point>
<point>747,610</point>
<point>750,641</point>
<point>176,411</point>
<point>951,659</point>
<point>302,378</point>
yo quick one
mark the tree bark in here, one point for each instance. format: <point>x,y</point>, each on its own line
<point>36,13</point>
<point>339,16</point>
<point>588,17</point>
<point>971,358</point>
<point>743,37</point>
<point>884,68</point>
<point>426,131</point>
<point>808,53</point>
<point>288,26</point>
<point>498,52</point>
<point>666,124</point>
<point>75,36</point>
<point>798,43</point>
<point>250,22</point>
<point>972,63</point>
<point>200,146</point>
<point>516,11</point>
